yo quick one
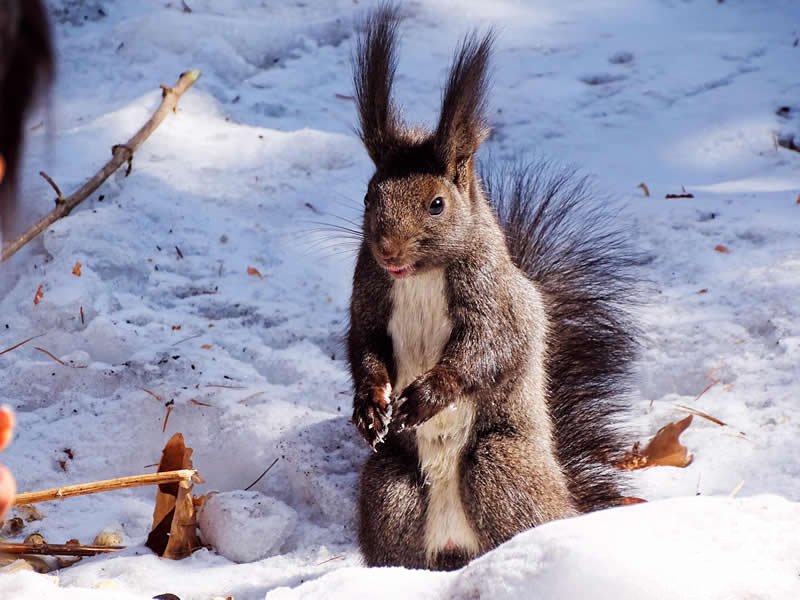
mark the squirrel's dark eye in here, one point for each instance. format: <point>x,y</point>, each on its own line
<point>437,206</point>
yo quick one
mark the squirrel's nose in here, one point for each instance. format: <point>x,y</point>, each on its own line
<point>389,250</point>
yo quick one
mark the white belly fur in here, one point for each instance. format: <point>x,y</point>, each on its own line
<point>420,327</point>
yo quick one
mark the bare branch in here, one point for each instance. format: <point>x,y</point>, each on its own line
<point>121,154</point>
<point>56,549</point>
<point>94,487</point>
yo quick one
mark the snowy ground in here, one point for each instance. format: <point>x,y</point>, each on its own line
<point>669,93</point>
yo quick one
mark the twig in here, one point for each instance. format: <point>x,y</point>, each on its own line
<point>227,387</point>
<point>106,485</point>
<point>274,462</point>
<point>58,360</point>
<point>186,339</point>
<point>331,559</point>
<point>153,394</point>
<point>57,549</point>
<point>705,389</point>
<point>22,343</point>
<point>706,416</point>
<point>121,154</point>
<point>737,489</point>
<point>51,355</point>
<point>54,185</point>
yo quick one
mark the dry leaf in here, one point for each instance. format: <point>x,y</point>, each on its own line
<point>76,270</point>
<point>703,291</point>
<point>206,346</point>
<point>254,272</point>
<point>722,249</point>
<point>643,186</point>
<point>39,295</point>
<point>174,533</point>
<point>664,450</point>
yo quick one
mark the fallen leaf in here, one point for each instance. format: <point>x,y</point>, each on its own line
<point>798,198</point>
<point>703,291</point>
<point>176,328</point>
<point>252,271</point>
<point>665,449</point>
<point>76,270</point>
<point>39,295</point>
<point>643,186</point>
<point>206,346</point>
<point>722,249</point>
<point>174,532</point>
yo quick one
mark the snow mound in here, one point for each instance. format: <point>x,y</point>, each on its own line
<point>246,526</point>
<point>710,548</point>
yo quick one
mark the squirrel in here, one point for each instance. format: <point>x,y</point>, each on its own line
<point>490,341</point>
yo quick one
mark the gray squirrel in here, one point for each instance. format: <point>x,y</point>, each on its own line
<point>490,341</point>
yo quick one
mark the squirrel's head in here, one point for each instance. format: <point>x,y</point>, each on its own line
<point>422,202</point>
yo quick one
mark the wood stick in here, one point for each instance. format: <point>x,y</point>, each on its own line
<point>56,549</point>
<point>121,154</point>
<point>105,486</point>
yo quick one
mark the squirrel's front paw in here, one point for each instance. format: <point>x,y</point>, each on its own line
<point>416,405</point>
<point>372,412</point>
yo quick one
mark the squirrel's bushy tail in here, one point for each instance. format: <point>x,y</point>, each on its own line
<point>586,272</point>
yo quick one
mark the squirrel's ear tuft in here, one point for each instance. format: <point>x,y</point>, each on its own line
<point>374,65</point>
<point>462,124</point>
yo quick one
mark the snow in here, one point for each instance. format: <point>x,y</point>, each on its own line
<point>245,526</point>
<point>669,93</point>
<point>670,550</point>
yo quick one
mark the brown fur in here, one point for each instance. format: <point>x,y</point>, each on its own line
<point>530,454</point>
<point>26,59</point>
